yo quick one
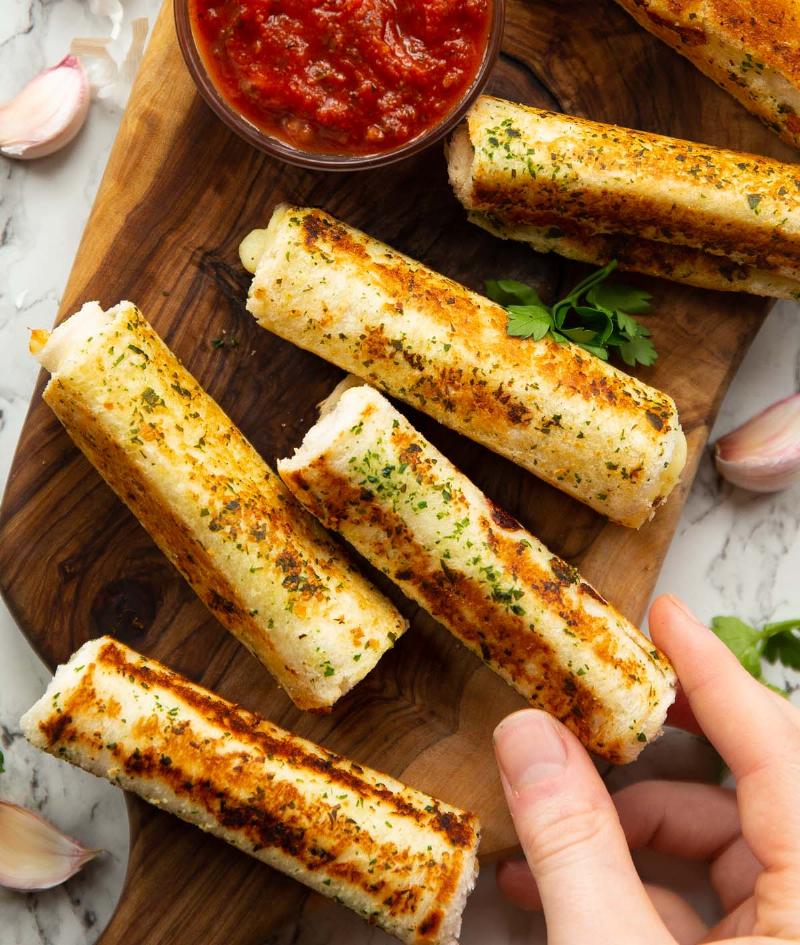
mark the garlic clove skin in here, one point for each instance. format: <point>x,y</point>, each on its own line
<point>34,854</point>
<point>47,113</point>
<point>763,455</point>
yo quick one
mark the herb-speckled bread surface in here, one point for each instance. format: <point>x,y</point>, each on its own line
<point>400,858</point>
<point>591,430</point>
<point>751,48</point>
<point>663,206</point>
<point>367,473</point>
<point>260,563</point>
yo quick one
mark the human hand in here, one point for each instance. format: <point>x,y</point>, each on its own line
<point>576,837</point>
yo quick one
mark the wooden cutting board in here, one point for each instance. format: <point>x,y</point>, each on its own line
<point>179,192</point>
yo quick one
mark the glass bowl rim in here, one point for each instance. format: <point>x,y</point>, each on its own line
<point>330,162</point>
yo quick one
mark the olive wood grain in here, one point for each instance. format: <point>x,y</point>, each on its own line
<point>179,192</point>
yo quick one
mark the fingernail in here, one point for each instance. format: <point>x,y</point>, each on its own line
<point>530,748</point>
<point>677,602</point>
<point>683,608</point>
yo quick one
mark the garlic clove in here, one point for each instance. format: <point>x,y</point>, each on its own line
<point>763,455</point>
<point>47,113</point>
<point>33,853</point>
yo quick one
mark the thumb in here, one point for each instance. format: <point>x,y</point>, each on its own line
<point>571,837</point>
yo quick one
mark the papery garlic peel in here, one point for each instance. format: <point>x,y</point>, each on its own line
<point>33,853</point>
<point>47,113</point>
<point>109,77</point>
<point>763,454</point>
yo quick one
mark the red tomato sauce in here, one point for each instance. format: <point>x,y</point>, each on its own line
<point>342,76</point>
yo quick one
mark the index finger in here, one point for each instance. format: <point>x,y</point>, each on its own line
<point>756,731</point>
<point>748,724</point>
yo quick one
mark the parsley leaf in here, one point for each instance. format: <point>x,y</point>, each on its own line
<point>783,645</point>
<point>614,298</point>
<point>628,325</point>
<point>510,292</point>
<point>775,643</point>
<point>580,335</point>
<point>529,321</point>
<point>595,315</point>
<point>2,763</point>
<point>742,640</point>
<point>638,351</point>
<point>597,350</point>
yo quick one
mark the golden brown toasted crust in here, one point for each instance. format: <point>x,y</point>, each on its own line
<point>649,257</point>
<point>262,565</point>
<point>399,857</point>
<point>749,47</point>
<point>531,167</point>
<point>365,472</point>
<point>449,386</point>
<point>554,409</point>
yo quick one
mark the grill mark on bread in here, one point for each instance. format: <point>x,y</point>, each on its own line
<point>750,50</point>
<point>564,188</point>
<point>220,515</point>
<point>665,260</point>
<point>249,728</point>
<point>588,589</point>
<point>589,629</point>
<point>566,573</point>
<point>421,337</point>
<point>442,383</point>
<point>266,812</point>
<point>502,518</point>
<point>529,615</point>
<point>455,598</point>
<point>446,586</point>
<point>691,36</point>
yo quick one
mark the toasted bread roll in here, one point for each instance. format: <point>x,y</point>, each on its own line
<point>573,420</point>
<point>261,564</point>
<point>649,257</point>
<point>396,856</point>
<point>366,472</point>
<point>525,167</point>
<point>751,48</point>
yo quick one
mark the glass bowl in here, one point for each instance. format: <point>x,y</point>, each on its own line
<point>330,162</point>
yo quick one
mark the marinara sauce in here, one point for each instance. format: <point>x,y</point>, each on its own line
<point>342,76</point>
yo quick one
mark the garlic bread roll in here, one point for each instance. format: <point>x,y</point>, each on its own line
<point>260,563</point>
<point>751,49</point>
<point>649,257</point>
<point>400,858</point>
<point>578,423</point>
<point>529,167</point>
<point>368,474</point>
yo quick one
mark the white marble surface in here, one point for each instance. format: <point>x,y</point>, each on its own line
<point>734,553</point>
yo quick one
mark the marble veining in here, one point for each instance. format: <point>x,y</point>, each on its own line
<point>733,552</point>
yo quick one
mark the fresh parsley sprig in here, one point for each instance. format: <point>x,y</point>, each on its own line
<point>595,315</point>
<point>775,642</point>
